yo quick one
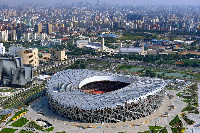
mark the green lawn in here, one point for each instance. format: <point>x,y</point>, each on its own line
<point>176,122</point>
<point>176,130</point>
<point>8,130</point>
<point>49,129</point>
<point>7,90</point>
<point>18,113</point>
<point>164,130</point>
<point>24,131</point>
<point>155,129</point>
<point>191,109</point>
<point>20,122</point>
<point>145,132</point>
<point>124,67</point>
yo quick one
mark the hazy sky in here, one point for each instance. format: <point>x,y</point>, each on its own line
<point>124,2</point>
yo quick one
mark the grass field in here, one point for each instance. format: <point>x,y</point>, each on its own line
<point>20,122</point>
<point>17,114</point>
<point>49,129</point>
<point>8,130</point>
<point>24,131</point>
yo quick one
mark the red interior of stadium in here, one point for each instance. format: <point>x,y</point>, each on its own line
<point>99,87</point>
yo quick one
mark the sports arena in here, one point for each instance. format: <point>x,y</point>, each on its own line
<point>95,96</point>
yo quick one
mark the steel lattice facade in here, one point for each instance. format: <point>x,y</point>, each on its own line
<point>140,98</point>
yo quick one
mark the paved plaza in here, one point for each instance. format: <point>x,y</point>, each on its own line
<point>40,106</point>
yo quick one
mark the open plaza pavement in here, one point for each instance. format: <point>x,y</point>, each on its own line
<point>40,109</point>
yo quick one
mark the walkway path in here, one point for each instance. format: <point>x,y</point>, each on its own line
<point>196,127</point>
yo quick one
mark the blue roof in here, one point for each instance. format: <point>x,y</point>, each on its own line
<point>166,40</point>
<point>154,40</point>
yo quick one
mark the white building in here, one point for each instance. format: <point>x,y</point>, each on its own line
<point>35,36</point>
<point>50,42</point>
<point>42,36</point>
<point>28,36</point>
<point>96,46</point>
<point>14,48</point>
<point>4,35</point>
<point>2,49</point>
<point>132,50</point>
<point>81,43</point>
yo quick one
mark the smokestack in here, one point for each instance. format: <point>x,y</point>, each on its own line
<point>102,44</point>
<point>142,53</point>
<point>121,45</point>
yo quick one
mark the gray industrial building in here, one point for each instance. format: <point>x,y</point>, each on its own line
<point>13,73</point>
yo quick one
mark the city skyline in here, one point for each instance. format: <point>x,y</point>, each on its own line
<point>113,2</point>
<point>99,66</point>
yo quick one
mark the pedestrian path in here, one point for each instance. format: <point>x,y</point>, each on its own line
<point>196,127</point>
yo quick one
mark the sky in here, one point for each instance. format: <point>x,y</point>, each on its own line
<point>120,2</point>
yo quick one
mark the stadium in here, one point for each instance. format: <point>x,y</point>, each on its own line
<point>94,96</point>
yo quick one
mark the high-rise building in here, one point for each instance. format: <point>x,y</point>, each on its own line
<point>4,35</point>
<point>39,28</point>
<point>36,29</point>
<point>13,35</point>
<point>19,34</point>
<point>42,36</point>
<point>29,56</point>
<point>133,17</point>
<point>48,29</point>
<point>35,36</point>
<point>28,36</point>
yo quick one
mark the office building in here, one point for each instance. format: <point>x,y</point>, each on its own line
<point>42,36</point>
<point>29,56</point>
<point>4,35</point>
<point>13,35</point>
<point>50,42</point>
<point>48,29</point>
<point>39,28</point>
<point>58,54</point>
